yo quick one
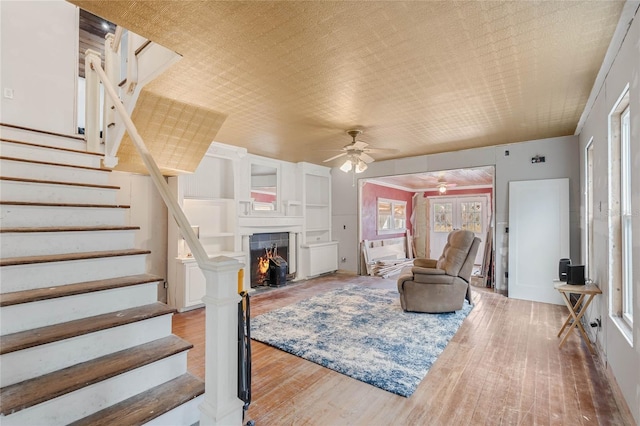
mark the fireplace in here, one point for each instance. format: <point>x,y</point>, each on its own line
<point>269,255</point>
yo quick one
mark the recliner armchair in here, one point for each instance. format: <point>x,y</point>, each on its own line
<point>440,285</point>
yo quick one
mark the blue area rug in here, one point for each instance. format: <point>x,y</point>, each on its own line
<point>362,332</point>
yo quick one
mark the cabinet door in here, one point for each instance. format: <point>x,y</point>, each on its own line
<point>323,259</point>
<point>195,285</point>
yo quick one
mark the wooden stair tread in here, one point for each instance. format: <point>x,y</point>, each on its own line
<point>148,405</point>
<point>27,230</point>
<point>65,257</point>
<point>52,333</point>
<point>49,163</point>
<point>44,132</point>
<point>53,182</point>
<point>34,391</point>
<point>36,204</point>
<point>28,296</point>
<point>57,148</point>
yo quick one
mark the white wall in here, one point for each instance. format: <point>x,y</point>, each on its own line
<point>561,161</point>
<point>149,212</point>
<point>622,358</point>
<point>39,45</point>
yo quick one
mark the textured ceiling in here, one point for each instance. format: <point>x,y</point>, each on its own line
<point>420,77</point>
<point>428,181</point>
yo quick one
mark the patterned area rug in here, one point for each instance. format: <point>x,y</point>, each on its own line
<point>361,332</point>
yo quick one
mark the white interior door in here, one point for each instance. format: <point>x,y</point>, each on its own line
<point>538,237</point>
<point>451,213</point>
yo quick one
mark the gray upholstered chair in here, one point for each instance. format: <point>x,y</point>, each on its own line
<point>440,285</point>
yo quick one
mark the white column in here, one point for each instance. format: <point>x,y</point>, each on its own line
<point>221,404</point>
<point>92,102</point>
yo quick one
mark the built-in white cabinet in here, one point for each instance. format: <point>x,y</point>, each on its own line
<point>195,283</point>
<point>234,195</point>
<point>208,199</point>
<point>320,253</point>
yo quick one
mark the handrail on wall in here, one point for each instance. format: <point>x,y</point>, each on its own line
<point>115,45</point>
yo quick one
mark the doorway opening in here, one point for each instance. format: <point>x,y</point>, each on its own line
<point>431,204</point>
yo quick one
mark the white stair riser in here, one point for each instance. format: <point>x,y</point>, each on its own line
<point>42,313</point>
<point>49,193</point>
<point>15,244</point>
<point>33,362</point>
<point>41,275</point>
<point>83,402</point>
<point>185,414</point>
<point>16,215</point>
<point>43,139</point>
<point>21,169</point>
<point>15,150</point>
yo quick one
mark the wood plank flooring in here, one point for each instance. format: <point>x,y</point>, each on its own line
<point>503,367</point>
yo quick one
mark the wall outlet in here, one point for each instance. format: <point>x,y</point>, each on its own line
<point>8,93</point>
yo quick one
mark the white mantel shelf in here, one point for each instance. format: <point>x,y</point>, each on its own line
<point>265,223</point>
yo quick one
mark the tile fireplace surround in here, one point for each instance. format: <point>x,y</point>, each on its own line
<point>255,225</point>
<point>275,243</point>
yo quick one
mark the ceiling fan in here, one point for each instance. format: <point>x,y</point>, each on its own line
<point>357,153</point>
<point>443,185</point>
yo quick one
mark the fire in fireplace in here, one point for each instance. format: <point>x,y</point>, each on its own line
<point>269,253</point>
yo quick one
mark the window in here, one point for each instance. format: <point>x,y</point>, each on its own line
<point>443,216</point>
<point>392,216</point>
<point>619,217</point>
<point>625,216</point>
<point>588,200</point>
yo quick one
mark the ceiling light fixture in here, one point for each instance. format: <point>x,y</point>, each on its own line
<point>442,188</point>
<point>355,164</point>
<point>361,166</point>
<point>346,167</point>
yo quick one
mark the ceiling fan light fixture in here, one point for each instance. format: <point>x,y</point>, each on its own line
<point>347,166</point>
<point>442,188</point>
<point>361,166</point>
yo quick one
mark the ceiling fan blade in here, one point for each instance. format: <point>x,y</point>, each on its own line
<point>359,145</point>
<point>381,150</point>
<point>334,157</point>
<point>366,158</point>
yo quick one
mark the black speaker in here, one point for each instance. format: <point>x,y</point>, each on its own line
<point>563,268</point>
<point>575,275</point>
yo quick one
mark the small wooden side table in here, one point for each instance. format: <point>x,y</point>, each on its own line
<point>577,311</point>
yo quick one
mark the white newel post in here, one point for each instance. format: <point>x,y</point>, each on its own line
<point>92,102</point>
<point>221,404</point>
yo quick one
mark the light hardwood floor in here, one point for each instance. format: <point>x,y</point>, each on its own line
<point>503,367</point>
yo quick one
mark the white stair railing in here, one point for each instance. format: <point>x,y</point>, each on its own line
<point>144,61</point>
<point>221,404</point>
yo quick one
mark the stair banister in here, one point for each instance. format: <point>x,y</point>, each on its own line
<point>112,69</point>
<point>221,404</point>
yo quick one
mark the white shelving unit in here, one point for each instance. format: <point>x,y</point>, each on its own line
<point>208,198</point>
<point>217,200</point>
<point>319,252</point>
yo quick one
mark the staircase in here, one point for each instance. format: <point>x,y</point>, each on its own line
<point>83,339</point>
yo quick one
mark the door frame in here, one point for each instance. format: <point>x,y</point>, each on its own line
<point>486,219</point>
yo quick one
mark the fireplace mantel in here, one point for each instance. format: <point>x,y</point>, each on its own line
<point>249,225</point>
